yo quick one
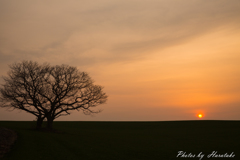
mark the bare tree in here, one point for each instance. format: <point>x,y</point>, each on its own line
<point>49,91</point>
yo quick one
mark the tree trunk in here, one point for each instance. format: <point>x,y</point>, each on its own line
<point>49,123</point>
<point>39,122</point>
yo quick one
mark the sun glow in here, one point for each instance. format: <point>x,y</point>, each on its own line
<point>200,115</point>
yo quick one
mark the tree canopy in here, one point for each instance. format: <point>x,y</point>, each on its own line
<point>49,91</point>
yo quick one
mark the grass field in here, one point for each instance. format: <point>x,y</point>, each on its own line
<point>125,140</point>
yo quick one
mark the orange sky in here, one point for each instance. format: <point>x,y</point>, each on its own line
<point>157,60</point>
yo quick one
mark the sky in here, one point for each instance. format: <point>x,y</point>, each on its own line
<point>158,60</point>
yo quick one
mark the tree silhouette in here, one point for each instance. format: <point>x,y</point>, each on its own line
<point>49,91</point>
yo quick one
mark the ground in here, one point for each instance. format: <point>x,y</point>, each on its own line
<point>7,139</point>
<point>125,140</point>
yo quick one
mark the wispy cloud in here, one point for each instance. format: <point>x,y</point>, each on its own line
<point>120,30</point>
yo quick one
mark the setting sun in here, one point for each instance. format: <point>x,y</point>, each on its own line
<point>200,115</point>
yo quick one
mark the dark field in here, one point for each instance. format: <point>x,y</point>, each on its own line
<point>125,140</point>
